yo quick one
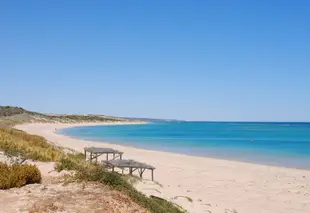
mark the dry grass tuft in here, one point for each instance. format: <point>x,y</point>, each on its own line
<point>18,175</point>
<point>35,147</point>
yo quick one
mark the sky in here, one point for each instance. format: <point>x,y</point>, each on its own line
<point>192,60</point>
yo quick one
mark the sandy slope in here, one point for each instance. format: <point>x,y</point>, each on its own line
<point>213,185</point>
<point>55,195</point>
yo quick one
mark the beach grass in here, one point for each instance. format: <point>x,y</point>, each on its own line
<point>32,146</point>
<point>70,162</point>
<point>8,122</point>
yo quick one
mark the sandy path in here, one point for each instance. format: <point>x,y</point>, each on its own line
<point>213,185</point>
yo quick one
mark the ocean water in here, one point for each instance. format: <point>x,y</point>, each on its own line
<point>280,144</point>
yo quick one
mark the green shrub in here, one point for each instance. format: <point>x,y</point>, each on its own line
<point>70,162</point>
<point>66,164</point>
<point>18,175</point>
<point>91,172</point>
<point>9,110</point>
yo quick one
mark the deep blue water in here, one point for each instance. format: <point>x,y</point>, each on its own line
<point>283,144</point>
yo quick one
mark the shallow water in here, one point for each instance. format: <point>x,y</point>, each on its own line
<point>283,144</point>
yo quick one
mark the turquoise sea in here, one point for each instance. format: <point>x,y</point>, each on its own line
<point>281,144</point>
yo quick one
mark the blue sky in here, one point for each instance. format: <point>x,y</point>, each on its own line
<point>193,60</point>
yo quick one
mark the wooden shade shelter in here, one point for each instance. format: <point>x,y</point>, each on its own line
<point>95,152</point>
<point>132,165</point>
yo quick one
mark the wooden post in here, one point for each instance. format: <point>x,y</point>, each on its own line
<point>96,158</point>
<point>113,155</point>
<point>142,171</point>
<point>152,174</point>
<point>112,168</point>
<point>107,156</point>
<point>121,156</point>
<point>130,170</point>
<point>85,154</point>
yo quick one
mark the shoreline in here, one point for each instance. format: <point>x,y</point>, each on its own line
<point>231,159</point>
<point>202,179</point>
<point>156,150</point>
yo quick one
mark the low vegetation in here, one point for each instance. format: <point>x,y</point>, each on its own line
<point>33,146</point>
<point>80,118</point>
<point>16,115</point>
<point>9,110</point>
<point>70,162</point>
<point>92,172</point>
<point>18,175</point>
<point>37,148</point>
<point>8,123</point>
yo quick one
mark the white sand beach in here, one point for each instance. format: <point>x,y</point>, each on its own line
<point>204,184</point>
